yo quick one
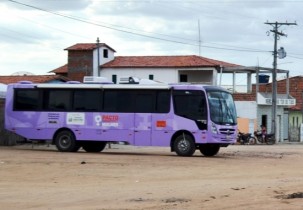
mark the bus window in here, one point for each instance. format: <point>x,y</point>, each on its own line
<point>26,100</point>
<point>145,102</point>
<point>163,101</point>
<point>190,104</point>
<point>58,100</point>
<point>118,101</point>
<point>222,109</point>
<point>87,100</point>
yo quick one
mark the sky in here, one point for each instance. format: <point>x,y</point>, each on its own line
<point>34,33</point>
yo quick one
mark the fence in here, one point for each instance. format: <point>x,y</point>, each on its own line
<point>6,138</point>
<point>294,134</point>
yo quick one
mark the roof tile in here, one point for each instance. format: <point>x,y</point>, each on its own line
<point>32,78</point>
<point>164,61</point>
<point>61,69</point>
<point>88,46</point>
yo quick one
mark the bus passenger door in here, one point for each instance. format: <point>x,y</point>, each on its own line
<point>143,129</point>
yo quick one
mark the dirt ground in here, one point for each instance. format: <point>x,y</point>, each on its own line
<point>127,177</point>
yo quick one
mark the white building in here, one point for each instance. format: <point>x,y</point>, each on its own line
<point>84,60</point>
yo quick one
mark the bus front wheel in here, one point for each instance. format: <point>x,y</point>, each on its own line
<point>209,149</point>
<point>93,146</point>
<point>184,145</point>
<point>66,142</point>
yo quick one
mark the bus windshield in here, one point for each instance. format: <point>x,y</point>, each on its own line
<point>222,108</point>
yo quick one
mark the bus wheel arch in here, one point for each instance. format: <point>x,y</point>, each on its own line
<point>65,140</point>
<point>183,143</point>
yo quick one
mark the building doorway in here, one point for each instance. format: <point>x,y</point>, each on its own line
<point>264,121</point>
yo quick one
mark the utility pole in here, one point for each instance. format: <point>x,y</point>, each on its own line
<point>98,54</point>
<point>277,34</point>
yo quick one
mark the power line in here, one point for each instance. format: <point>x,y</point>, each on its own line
<point>294,57</point>
<point>133,33</point>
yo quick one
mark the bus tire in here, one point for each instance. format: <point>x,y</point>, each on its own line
<point>184,145</point>
<point>93,146</point>
<point>209,149</point>
<point>65,141</point>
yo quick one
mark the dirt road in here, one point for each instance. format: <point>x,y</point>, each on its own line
<point>126,177</point>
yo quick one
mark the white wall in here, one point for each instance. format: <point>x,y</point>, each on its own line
<point>246,109</point>
<point>161,75</point>
<point>166,75</point>
<point>204,76</point>
<point>102,60</point>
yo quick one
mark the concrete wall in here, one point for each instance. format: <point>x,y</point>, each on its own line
<point>247,116</point>
<point>102,59</point>
<point>267,110</point>
<point>161,75</point>
<point>295,120</point>
<point>166,75</point>
<point>6,138</point>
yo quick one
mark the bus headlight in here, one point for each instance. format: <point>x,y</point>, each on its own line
<point>214,128</point>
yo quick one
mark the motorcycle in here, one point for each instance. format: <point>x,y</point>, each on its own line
<point>268,138</point>
<point>246,138</point>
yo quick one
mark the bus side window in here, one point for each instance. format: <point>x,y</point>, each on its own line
<point>190,104</point>
<point>145,102</point>
<point>58,100</point>
<point>26,100</point>
<point>163,101</point>
<point>118,101</point>
<point>87,100</point>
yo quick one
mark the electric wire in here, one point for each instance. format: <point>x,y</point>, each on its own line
<point>134,33</point>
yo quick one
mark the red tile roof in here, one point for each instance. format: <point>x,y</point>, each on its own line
<point>32,78</point>
<point>164,61</point>
<point>60,70</point>
<point>157,62</point>
<point>88,46</point>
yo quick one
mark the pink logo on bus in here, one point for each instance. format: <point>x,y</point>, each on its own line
<point>107,120</point>
<point>110,118</point>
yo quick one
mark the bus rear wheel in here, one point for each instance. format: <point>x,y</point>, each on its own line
<point>209,149</point>
<point>93,146</point>
<point>66,142</point>
<point>184,145</point>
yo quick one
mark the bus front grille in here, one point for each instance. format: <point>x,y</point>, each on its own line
<point>227,131</point>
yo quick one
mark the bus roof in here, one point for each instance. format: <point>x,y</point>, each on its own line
<point>104,86</point>
<point>119,86</point>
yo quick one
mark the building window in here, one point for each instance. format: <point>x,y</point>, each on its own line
<point>105,53</point>
<point>183,77</point>
<point>114,79</point>
<point>151,77</point>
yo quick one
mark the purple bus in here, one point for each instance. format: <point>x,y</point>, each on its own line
<point>183,117</point>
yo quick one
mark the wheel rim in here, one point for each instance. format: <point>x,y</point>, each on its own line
<point>183,145</point>
<point>65,141</point>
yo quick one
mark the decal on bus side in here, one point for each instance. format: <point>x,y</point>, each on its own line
<point>75,118</point>
<point>107,120</point>
<point>161,123</point>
